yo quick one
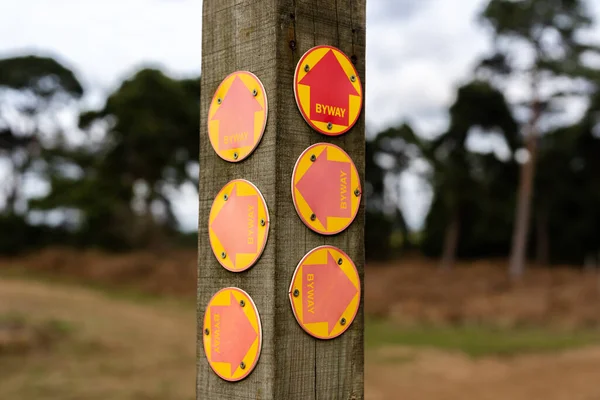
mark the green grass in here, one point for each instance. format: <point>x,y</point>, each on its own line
<point>477,341</point>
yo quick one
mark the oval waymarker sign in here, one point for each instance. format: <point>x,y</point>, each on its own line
<point>237,116</point>
<point>238,225</point>
<point>232,334</point>
<point>325,292</point>
<point>328,90</point>
<point>326,188</point>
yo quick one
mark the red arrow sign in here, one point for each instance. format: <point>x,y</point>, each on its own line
<point>330,91</point>
<point>326,187</point>
<point>327,293</point>
<point>236,116</point>
<point>232,334</point>
<point>236,224</point>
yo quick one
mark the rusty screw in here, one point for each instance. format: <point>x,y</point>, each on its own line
<point>243,365</point>
<point>313,158</point>
<point>242,303</point>
<point>343,321</point>
<point>313,217</point>
<point>340,261</point>
<point>296,293</point>
<point>206,332</point>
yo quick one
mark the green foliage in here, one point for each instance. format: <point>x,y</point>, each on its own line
<point>42,76</point>
<point>151,139</point>
<point>466,184</point>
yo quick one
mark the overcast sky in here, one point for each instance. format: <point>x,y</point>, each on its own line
<point>418,51</point>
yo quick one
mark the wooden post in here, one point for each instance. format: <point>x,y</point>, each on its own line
<point>267,38</point>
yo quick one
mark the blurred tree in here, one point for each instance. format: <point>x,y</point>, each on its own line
<point>386,159</point>
<point>459,176</point>
<point>536,41</point>
<point>568,192</point>
<point>148,147</point>
<point>33,90</point>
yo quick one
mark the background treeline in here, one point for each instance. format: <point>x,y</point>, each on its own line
<point>109,181</point>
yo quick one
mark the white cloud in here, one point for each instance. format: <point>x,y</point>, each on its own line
<point>418,51</point>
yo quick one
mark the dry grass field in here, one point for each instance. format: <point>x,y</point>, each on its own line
<point>85,326</point>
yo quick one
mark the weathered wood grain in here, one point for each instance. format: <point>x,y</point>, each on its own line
<point>268,37</point>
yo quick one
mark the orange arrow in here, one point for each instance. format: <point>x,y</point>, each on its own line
<point>327,292</point>
<point>232,334</point>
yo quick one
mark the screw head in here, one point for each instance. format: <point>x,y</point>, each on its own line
<point>313,158</point>
<point>343,321</point>
<point>357,192</point>
<point>340,261</point>
<point>206,332</point>
<point>306,68</point>
<point>329,126</point>
<point>223,255</point>
<point>296,293</point>
<point>235,155</point>
<point>353,78</point>
<point>242,303</point>
<point>255,93</point>
<point>313,217</point>
<point>225,197</point>
<point>243,365</point>
<point>219,101</point>
<point>263,222</point>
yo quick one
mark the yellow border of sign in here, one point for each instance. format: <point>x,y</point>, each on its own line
<point>252,82</point>
<point>318,256</point>
<point>302,165</point>
<point>302,92</point>
<point>244,188</point>
<point>223,298</point>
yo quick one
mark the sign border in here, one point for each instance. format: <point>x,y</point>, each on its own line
<point>267,226</point>
<point>260,336</point>
<point>264,126</point>
<point>291,289</point>
<point>303,113</point>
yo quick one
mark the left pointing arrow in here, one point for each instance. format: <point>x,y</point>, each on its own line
<point>236,225</point>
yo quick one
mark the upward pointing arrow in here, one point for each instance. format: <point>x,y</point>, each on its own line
<point>236,224</point>
<point>326,187</point>
<point>330,86</point>
<point>232,334</point>
<point>236,115</point>
<point>327,293</point>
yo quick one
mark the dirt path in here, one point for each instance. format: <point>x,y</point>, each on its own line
<point>123,350</point>
<point>408,374</point>
<point>117,349</point>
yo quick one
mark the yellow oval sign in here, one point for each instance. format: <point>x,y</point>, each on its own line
<point>237,116</point>
<point>326,188</point>
<point>238,225</point>
<point>328,90</point>
<point>325,292</point>
<point>232,334</point>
